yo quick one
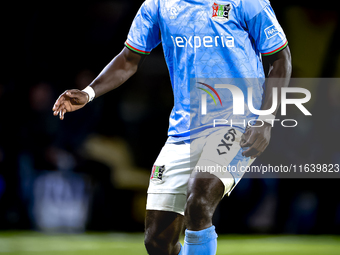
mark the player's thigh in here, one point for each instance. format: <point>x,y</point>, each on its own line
<point>169,179</point>
<point>167,198</point>
<point>171,170</point>
<point>222,157</point>
<point>204,194</point>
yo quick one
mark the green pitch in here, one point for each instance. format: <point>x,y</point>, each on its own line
<point>22,243</point>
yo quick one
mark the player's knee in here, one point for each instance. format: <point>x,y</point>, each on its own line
<point>156,245</point>
<point>198,205</point>
<point>198,212</point>
<point>151,245</point>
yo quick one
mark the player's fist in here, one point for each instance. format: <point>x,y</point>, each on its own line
<point>69,101</point>
<point>255,140</point>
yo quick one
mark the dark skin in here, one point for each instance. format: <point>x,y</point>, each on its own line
<point>126,63</point>
<point>203,204</point>
<point>278,70</point>
<point>162,229</point>
<point>119,70</point>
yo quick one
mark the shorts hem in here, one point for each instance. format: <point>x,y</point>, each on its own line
<point>158,191</point>
<point>166,202</point>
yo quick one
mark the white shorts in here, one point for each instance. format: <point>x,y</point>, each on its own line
<point>219,153</point>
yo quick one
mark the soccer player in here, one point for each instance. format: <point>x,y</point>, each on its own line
<point>202,41</point>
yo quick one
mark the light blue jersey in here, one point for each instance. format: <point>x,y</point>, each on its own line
<point>204,40</point>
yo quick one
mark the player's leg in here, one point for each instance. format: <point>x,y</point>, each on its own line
<point>206,189</point>
<point>162,231</point>
<point>204,194</point>
<point>166,199</point>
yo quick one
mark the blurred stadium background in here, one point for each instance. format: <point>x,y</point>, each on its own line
<point>89,173</point>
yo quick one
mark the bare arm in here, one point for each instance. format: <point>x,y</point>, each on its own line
<point>276,66</point>
<point>119,70</point>
<point>278,69</point>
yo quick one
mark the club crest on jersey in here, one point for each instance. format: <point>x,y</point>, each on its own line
<point>221,12</point>
<point>157,173</point>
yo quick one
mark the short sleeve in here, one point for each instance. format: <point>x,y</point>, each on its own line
<point>264,28</point>
<point>144,31</point>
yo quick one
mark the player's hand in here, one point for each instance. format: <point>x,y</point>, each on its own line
<point>69,101</point>
<point>257,139</point>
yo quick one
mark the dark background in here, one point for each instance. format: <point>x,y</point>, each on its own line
<point>55,177</point>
